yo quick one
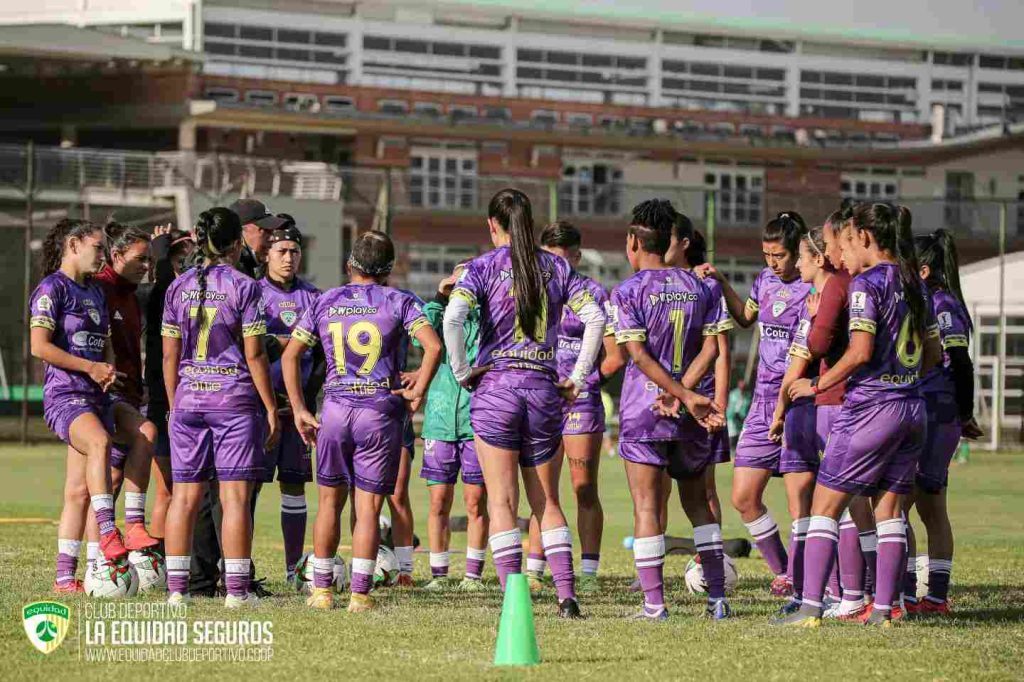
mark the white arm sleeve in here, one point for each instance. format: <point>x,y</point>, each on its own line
<point>455,314</point>
<point>593,319</point>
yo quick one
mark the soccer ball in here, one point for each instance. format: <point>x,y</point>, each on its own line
<point>304,574</point>
<point>386,571</point>
<point>151,570</point>
<point>922,575</point>
<point>111,581</point>
<point>694,576</point>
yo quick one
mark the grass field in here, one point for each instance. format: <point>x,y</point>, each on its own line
<point>417,635</point>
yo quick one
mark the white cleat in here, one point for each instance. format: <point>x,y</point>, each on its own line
<point>176,598</point>
<point>233,602</point>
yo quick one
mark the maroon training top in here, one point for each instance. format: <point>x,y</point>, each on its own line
<point>125,331</point>
<point>830,334</point>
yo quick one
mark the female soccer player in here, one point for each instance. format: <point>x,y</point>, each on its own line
<point>775,300</point>
<point>875,440</point>
<point>362,326</point>
<point>949,402</point>
<point>667,320</point>
<point>582,420</point>
<point>69,329</point>
<point>223,410</point>
<point>286,297</point>
<point>131,454</point>
<point>516,409</point>
<point>448,448</point>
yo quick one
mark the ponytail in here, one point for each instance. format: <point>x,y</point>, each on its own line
<point>938,251</point>
<point>510,208</point>
<point>57,238</point>
<point>891,227</point>
<point>216,231</point>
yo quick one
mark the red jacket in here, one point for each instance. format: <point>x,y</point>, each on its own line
<point>125,330</point>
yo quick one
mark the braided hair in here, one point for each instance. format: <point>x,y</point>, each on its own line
<point>57,238</point>
<point>217,230</point>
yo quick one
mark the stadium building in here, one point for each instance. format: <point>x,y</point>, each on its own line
<point>409,115</point>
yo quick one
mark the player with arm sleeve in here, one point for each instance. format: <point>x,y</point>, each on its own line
<point>223,412</point>
<point>668,322</point>
<point>363,326</point>
<point>876,439</point>
<point>516,409</point>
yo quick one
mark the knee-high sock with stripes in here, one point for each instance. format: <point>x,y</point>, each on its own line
<point>708,539</point>
<point>558,549</point>
<point>892,550</point>
<point>819,553</point>
<point>507,552</point>
<point>939,571</point>
<point>768,541</point>
<point>649,557</point>
<point>851,561</point>
<point>797,539</point>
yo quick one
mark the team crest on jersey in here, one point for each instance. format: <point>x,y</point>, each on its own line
<point>858,301</point>
<point>117,315</point>
<point>288,317</point>
<point>94,315</point>
<point>43,303</point>
<point>778,308</point>
<point>945,320</point>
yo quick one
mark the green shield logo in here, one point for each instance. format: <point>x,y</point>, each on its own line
<point>46,624</point>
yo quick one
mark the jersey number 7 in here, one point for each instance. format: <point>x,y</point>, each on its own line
<point>205,326</point>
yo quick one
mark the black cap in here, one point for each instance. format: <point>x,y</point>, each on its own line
<point>254,211</point>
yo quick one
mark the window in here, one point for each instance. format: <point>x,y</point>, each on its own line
<point>952,58</point>
<point>393,107</point>
<point>263,98</point>
<point>544,117</point>
<point>865,188</point>
<point>497,113</point>
<point>299,101</point>
<point>589,188</point>
<point>443,178</point>
<point>428,109</point>
<point>297,51</point>
<point>335,103</point>
<point>579,120</point>
<point>222,94</point>
<point>428,263</point>
<point>442,66</point>
<point>545,73</point>
<point>739,196</point>
<point>461,111</point>
<point>866,97</point>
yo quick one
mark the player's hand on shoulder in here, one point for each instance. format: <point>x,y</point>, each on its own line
<point>813,301</point>
<point>706,270</point>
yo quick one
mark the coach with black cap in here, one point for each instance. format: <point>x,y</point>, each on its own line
<point>257,225</point>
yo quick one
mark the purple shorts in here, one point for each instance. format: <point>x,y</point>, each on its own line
<point>409,436</point>
<point>823,421</point>
<point>942,437</point>
<point>227,446</point>
<point>576,421</point>
<point>59,417</point>
<point>290,457</point>
<point>754,449</point>
<point>443,459</point>
<point>718,442</point>
<point>686,457</point>
<point>801,446</point>
<point>874,447</point>
<point>358,446</point>
<point>527,420</point>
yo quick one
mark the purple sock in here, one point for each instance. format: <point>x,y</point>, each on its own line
<point>819,553</point>
<point>67,560</point>
<point>797,540</point>
<point>708,540</point>
<point>439,562</point>
<point>558,550</point>
<point>507,552</point>
<point>323,571</point>
<point>649,557</point>
<point>177,574</point>
<point>769,543</point>
<point>134,508</point>
<point>475,562</point>
<point>293,528</point>
<point>362,575</point>
<point>851,560</point>
<point>236,576</point>
<point>939,571</point>
<point>892,550</point>
<point>103,508</point>
<point>869,548</point>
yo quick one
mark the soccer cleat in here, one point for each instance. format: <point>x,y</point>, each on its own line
<point>68,586</point>
<point>797,620</point>
<point>880,618</point>
<point>913,607</point>
<point>472,585</point>
<point>536,582</point>
<point>895,614</point>
<point>439,585</point>
<point>855,616</point>
<point>792,606</point>
<point>587,583</point>
<point>360,603</point>
<point>651,615</point>
<point>112,546</point>
<point>934,608</point>
<point>635,585</point>
<point>136,537</point>
<point>257,588</point>
<point>235,602</point>
<point>570,609</point>
<point>781,587</point>
<point>405,581</point>
<point>321,598</point>
<point>718,609</point>
<point>176,598</point>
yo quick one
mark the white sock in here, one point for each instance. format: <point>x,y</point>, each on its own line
<point>869,541</point>
<point>474,554</point>
<point>92,552</point>
<point>237,566</point>
<point>535,565</point>
<point>762,527</point>
<point>404,555</point>
<point>71,548</point>
<point>590,566</point>
<point>134,502</point>
<point>364,566</point>
<point>440,560</point>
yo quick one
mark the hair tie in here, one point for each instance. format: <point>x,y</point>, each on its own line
<point>385,269</point>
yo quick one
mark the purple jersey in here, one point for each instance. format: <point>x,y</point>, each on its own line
<point>487,282</point>
<point>879,307</point>
<point>213,374</point>
<point>778,305</point>
<point>570,338</point>
<point>284,309</point>
<point>363,328</point>
<point>77,316</point>
<point>954,332</point>
<point>799,347</point>
<point>671,312</point>
<point>706,386</point>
